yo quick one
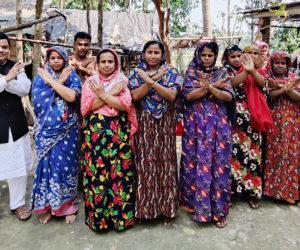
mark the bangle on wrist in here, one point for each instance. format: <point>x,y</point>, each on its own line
<point>217,94</point>
<point>285,89</point>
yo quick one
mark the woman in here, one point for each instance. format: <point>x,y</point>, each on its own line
<point>252,118</point>
<point>109,121</point>
<point>282,176</point>
<point>56,88</point>
<point>154,85</point>
<point>206,141</point>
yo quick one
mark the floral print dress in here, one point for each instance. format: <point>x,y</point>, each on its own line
<point>246,150</point>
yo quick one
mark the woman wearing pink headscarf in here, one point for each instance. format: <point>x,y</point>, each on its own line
<point>109,122</point>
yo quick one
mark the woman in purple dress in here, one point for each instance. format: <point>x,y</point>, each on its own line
<point>206,141</point>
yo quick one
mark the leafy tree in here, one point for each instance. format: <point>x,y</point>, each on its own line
<point>286,39</point>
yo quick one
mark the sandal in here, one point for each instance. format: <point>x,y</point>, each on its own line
<point>290,201</point>
<point>222,223</point>
<point>254,203</point>
<point>23,213</point>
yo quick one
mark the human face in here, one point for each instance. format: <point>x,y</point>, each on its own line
<point>4,50</point>
<point>106,64</point>
<point>153,56</point>
<point>56,61</point>
<point>280,66</point>
<point>81,47</point>
<point>207,57</point>
<point>264,50</point>
<point>253,53</point>
<point>234,59</point>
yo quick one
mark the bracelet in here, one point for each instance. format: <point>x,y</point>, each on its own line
<point>217,93</point>
<point>285,88</point>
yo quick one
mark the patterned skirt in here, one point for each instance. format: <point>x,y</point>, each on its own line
<point>108,173</point>
<point>156,166</point>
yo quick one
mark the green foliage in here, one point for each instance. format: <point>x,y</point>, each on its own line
<point>179,16</point>
<point>286,39</point>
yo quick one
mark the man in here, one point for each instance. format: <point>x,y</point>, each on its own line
<point>15,150</point>
<point>82,63</point>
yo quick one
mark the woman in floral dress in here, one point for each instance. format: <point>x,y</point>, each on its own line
<point>205,184</point>
<point>55,91</point>
<point>252,118</point>
<point>282,176</point>
<point>109,123</point>
<point>154,85</point>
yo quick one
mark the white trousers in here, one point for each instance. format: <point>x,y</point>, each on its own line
<point>17,191</point>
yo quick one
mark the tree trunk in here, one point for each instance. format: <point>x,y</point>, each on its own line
<point>61,4</point>
<point>87,6</point>
<point>37,53</point>
<point>228,18</point>
<point>207,22</point>
<point>19,44</point>
<point>145,6</point>
<point>100,23</point>
<point>164,24</point>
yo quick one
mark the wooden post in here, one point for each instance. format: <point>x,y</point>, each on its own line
<point>265,29</point>
<point>19,44</point>
<point>37,48</point>
<point>100,23</point>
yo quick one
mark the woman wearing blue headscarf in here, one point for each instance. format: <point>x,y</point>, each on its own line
<point>56,89</point>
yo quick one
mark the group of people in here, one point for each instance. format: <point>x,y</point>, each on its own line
<point>240,135</point>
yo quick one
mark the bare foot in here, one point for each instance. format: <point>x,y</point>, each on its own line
<point>222,223</point>
<point>44,218</point>
<point>167,221</point>
<point>70,218</point>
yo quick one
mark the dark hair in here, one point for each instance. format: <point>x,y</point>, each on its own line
<point>102,52</point>
<point>149,43</point>
<point>82,35</point>
<point>3,36</point>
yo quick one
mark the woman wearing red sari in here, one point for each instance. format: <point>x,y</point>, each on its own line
<point>283,147</point>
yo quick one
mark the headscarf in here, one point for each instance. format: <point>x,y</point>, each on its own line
<point>88,96</point>
<point>153,102</point>
<point>260,113</point>
<point>279,54</point>
<point>250,48</point>
<point>261,44</point>
<point>227,52</point>
<point>212,73</point>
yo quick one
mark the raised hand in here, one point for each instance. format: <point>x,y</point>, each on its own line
<point>14,71</point>
<point>161,72</point>
<point>118,88</point>
<point>45,75</point>
<point>145,77</point>
<point>97,88</point>
<point>273,84</point>
<point>220,84</point>
<point>247,62</point>
<point>260,62</point>
<point>65,74</point>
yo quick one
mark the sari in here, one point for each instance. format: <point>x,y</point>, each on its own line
<point>56,138</point>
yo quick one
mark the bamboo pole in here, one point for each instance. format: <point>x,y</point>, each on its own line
<point>19,44</point>
<point>28,24</point>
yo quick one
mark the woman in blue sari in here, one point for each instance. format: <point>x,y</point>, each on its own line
<point>56,88</point>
